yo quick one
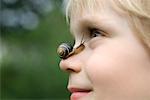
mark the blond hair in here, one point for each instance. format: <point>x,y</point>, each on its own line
<point>138,11</point>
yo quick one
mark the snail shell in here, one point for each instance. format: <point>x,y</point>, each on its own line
<point>64,49</point>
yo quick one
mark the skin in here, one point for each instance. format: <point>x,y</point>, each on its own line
<point>115,66</point>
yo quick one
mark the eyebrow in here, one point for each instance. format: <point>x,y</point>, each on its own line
<point>91,21</point>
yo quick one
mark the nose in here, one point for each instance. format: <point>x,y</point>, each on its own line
<point>71,64</point>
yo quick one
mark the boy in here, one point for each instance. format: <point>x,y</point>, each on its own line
<point>114,62</point>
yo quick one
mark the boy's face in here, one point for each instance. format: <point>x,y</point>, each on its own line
<point>114,64</point>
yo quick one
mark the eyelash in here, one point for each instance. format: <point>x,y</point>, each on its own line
<point>93,32</point>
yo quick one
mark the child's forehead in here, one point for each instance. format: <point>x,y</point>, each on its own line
<point>93,13</point>
<point>79,7</point>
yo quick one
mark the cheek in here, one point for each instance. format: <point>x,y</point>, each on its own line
<point>103,68</point>
<point>114,68</point>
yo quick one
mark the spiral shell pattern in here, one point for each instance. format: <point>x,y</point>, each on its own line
<point>64,49</point>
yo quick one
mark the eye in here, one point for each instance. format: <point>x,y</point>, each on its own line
<point>96,32</point>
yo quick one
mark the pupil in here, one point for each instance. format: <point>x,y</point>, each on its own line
<point>95,33</point>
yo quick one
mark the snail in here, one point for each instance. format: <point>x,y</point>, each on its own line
<point>65,50</point>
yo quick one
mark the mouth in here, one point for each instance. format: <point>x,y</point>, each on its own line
<point>77,93</point>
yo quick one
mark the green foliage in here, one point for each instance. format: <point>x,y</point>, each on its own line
<point>30,65</point>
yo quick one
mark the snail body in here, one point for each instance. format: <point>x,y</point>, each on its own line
<point>79,49</point>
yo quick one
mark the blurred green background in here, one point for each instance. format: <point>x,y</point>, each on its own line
<point>31,30</point>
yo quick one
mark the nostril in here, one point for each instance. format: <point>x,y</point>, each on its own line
<point>65,66</point>
<point>70,70</point>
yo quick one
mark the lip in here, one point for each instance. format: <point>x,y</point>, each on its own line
<point>77,93</point>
